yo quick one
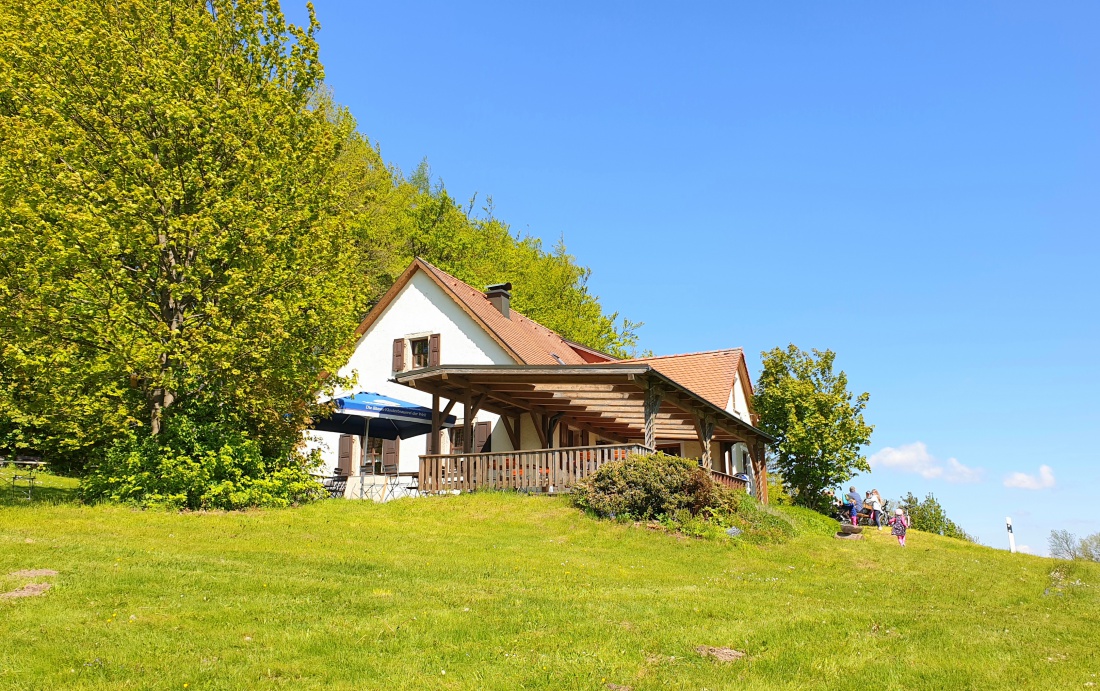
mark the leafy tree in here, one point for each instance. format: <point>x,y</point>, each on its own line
<point>175,231</point>
<point>929,516</point>
<point>191,229</point>
<point>1065,545</point>
<point>818,423</point>
<point>549,286</point>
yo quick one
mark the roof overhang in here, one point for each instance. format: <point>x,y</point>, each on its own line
<point>606,399</point>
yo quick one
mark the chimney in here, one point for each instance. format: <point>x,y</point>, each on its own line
<point>500,294</point>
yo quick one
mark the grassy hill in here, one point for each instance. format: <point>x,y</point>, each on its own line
<point>504,591</point>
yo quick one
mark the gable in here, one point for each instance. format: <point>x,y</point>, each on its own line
<point>525,340</point>
<point>421,307</point>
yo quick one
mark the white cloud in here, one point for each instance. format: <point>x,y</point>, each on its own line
<point>1023,548</point>
<point>914,458</point>
<point>1045,479</point>
<point>957,472</point>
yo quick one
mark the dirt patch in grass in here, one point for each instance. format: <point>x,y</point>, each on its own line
<point>29,590</point>
<point>32,573</point>
<point>720,654</point>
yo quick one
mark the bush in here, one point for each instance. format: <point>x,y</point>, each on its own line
<point>929,516</point>
<point>680,495</point>
<point>194,467</point>
<point>644,487</point>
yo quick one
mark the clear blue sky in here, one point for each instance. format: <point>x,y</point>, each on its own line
<point>915,187</point>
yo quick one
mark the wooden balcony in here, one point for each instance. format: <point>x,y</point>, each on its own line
<point>541,470</point>
<point>729,481</point>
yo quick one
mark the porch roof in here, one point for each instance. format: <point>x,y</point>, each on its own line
<point>608,399</point>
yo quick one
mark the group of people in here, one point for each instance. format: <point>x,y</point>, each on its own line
<point>853,501</point>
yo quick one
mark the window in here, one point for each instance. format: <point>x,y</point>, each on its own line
<point>420,354</point>
<point>415,352</point>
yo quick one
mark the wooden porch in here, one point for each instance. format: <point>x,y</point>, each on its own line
<point>629,407</point>
<point>549,471</point>
<point>540,470</point>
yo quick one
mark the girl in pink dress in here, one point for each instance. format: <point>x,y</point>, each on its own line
<point>900,523</point>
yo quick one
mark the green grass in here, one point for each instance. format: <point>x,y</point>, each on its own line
<point>502,591</point>
<point>48,488</point>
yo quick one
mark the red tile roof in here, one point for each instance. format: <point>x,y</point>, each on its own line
<point>709,374</point>
<point>531,343</point>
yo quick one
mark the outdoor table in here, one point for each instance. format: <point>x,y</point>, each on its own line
<point>30,465</point>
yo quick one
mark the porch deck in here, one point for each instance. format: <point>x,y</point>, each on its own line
<point>541,470</point>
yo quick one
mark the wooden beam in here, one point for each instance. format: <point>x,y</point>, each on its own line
<point>512,427</point>
<point>529,406</point>
<point>540,428</point>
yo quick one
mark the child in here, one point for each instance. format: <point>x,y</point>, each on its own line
<point>901,523</point>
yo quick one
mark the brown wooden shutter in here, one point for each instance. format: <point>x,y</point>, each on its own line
<point>389,454</point>
<point>483,431</point>
<point>344,459</point>
<point>398,355</point>
<point>585,439</point>
<point>433,350</point>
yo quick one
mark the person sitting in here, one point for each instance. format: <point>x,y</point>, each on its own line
<point>857,501</point>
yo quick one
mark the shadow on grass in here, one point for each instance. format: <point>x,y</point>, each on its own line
<point>48,489</point>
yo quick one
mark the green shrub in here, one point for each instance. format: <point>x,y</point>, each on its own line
<point>681,496</point>
<point>192,468</point>
<point>644,487</point>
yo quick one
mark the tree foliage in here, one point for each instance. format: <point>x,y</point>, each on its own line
<point>818,423</point>
<point>1065,545</point>
<point>929,516</point>
<point>190,231</point>
<point>175,233</point>
<point>480,249</point>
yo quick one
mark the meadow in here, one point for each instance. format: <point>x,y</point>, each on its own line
<point>504,591</point>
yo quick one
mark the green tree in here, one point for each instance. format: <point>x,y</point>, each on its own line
<point>929,516</point>
<point>1065,545</point>
<point>818,423</point>
<point>175,227</point>
<point>549,286</point>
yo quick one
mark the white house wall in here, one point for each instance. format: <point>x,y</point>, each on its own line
<point>420,308</point>
<point>739,402</point>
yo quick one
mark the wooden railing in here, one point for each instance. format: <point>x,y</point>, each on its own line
<point>729,481</point>
<point>542,470</point>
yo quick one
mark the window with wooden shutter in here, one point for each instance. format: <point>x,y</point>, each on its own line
<point>433,350</point>
<point>398,355</point>
<point>483,432</point>
<point>390,455</point>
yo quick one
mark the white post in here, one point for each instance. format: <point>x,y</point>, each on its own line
<point>1011,537</point>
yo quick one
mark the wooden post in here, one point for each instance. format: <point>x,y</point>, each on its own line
<point>704,427</point>
<point>467,423</point>
<point>551,428</point>
<point>653,395</point>
<point>433,440</point>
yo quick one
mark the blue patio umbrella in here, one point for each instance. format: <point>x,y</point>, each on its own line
<point>381,417</point>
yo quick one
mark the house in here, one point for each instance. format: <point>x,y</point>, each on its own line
<point>534,408</point>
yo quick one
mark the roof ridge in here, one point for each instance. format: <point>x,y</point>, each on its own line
<point>701,352</point>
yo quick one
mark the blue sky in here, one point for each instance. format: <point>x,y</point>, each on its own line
<point>916,188</point>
